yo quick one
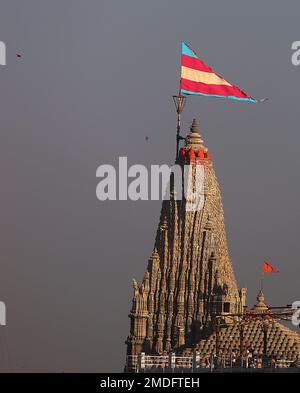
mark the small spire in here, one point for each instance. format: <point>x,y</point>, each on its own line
<point>194,139</point>
<point>208,226</point>
<point>154,254</point>
<point>164,224</point>
<point>260,306</point>
<point>260,297</point>
<point>194,127</point>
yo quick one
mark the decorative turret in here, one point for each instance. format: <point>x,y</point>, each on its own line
<point>193,139</point>
<point>260,306</point>
<point>243,296</point>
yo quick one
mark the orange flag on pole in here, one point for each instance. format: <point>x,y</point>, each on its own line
<point>269,269</point>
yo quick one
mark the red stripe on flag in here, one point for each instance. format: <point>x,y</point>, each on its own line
<point>220,90</point>
<point>194,63</point>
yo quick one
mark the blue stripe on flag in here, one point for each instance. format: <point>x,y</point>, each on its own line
<point>185,50</point>
<point>214,95</point>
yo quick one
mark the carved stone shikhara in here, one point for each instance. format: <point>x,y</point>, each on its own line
<point>190,277</point>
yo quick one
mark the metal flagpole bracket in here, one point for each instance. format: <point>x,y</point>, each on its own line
<point>179,102</point>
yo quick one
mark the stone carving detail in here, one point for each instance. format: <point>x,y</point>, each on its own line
<point>190,276</point>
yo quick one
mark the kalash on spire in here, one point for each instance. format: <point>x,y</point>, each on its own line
<point>194,147</point>
<point>188,302</point>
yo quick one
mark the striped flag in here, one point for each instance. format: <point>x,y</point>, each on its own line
<point>197,78</point>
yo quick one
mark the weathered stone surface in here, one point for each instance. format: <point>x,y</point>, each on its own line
<point>190,277</point>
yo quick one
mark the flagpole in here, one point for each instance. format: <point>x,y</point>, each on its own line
<point>179,102</point>
<point>262,282</point>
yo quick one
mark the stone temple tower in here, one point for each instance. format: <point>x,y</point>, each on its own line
<point>189,277</point>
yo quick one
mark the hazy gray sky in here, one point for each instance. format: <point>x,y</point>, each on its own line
<point>94,79</point>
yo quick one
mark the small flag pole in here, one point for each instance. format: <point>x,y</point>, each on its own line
<point>262,281</point>
<point>179,101</point>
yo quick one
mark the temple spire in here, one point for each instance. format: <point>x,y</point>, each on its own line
<point>182,269</point>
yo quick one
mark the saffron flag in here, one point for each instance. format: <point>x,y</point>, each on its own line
<point>197,78</point>
<point>269,269</point>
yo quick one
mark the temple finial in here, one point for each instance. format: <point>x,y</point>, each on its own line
<point>194,139</point>
<point>260,306</point>
<point>194,127</point>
